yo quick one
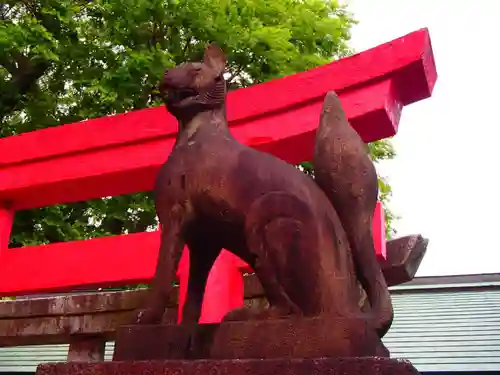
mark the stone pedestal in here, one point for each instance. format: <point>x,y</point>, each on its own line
<point>320,366</point>
<point>267,339</point>
<point>307,346</point>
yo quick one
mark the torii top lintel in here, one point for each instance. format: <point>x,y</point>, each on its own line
<point>121,154</point>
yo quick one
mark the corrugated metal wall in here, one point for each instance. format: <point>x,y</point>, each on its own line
<point>452,331</point>
<point>437,331</point>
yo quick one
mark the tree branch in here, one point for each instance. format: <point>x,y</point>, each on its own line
<point>186,46</point>
<point>24,71</point>
<point>24,74</point>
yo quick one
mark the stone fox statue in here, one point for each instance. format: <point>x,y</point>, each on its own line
<point>214,192</point>
<point>345,172</point>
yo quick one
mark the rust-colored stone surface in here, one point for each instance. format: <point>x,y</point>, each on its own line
<point>49,323</point>
<point>59,329</point>
<point>404,256</point>
<point>297,338</point>
<point>280,338</point>
<point>86,349</point>
<point>95,303</point>
<point>73,304</point>
<point>320,366</point>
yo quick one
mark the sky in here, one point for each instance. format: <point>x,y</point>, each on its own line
<point>445,175</point>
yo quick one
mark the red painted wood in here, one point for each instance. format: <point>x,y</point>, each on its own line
<point>131,168</point>
<point>93,158</point>
<point>6,221</point>
<point>378,228</point>
<point>224,291</point>
<point>409,59</point>
<point>102,262</point>
<point>108,261</point>
<point>183,276</point>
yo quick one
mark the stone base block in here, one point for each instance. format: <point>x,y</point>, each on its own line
<point>267,339</point>
<point>319,366</point>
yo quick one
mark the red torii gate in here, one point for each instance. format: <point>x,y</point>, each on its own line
<point>121,154</point>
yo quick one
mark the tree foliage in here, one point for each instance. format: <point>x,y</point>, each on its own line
<point>63,61</point>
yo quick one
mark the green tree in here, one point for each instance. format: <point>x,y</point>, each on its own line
<point>63,61</point>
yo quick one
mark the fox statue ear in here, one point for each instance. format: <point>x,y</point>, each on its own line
<point>215,58</point>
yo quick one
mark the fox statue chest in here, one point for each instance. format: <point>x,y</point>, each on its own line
<point>196,173</point>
